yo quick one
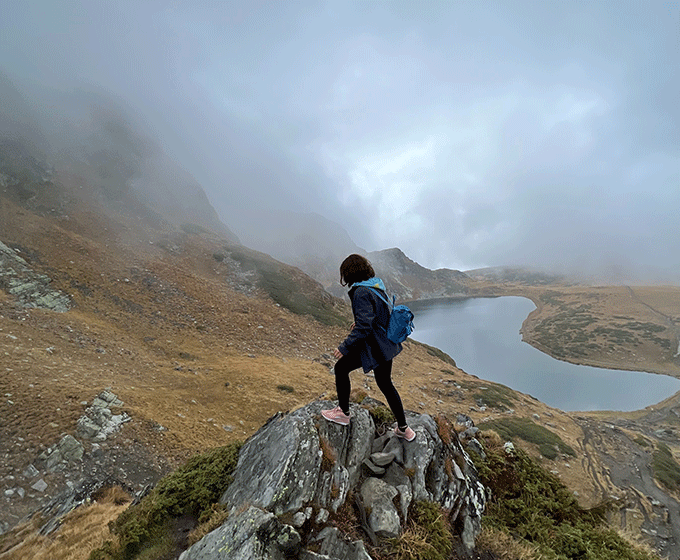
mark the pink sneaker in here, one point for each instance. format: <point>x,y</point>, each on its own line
<point>336,415</point>
<point>408,434</point>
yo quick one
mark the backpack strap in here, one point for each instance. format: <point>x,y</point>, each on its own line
<point>384,298</point>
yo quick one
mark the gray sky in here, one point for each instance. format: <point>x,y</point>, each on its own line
<point>466,133</point>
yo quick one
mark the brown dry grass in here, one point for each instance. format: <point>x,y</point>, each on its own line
<point>504,547</point>
<point>81,531</point>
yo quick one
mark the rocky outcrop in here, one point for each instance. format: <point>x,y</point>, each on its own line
<point>298,471</point>
<point>99,421</point>
<point>30,288</point>
<point>68,472</point>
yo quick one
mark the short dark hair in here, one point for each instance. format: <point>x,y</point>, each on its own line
<point>355,268</point>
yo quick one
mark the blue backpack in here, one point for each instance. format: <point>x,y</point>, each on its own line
<point>401,320</point>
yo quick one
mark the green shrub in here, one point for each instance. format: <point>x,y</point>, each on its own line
<point>666,469</point>
<point>144,530</point>
<point>641,441</point>
<point>529,431</point>
<point>535,507</point>
<point>496,396</point>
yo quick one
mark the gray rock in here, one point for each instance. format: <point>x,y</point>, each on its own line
<point>68,450</point>
<point>377,497</point>
<point>405,498</point>
<point>252,534</point>
<point>99,422</point>
<point>382,459</point>
<point>379,442</point>
<point>352,444</point>
<point>279,472</point>
<point>418,455</point>
<point>474,445</point>
<point>278,467</point>
<point>30,288</point>
<point>334,545</point>
<point>306,554</point>
<point>106,399</point>
<point>39,486</point>
<point>299,519</point>
<point>395,447</point>
<point>469,433</point>
<point>322,516</point>
<point>373,470</point>
<point>30,472</point>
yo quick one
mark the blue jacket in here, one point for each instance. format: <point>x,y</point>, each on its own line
<point>369,335</point>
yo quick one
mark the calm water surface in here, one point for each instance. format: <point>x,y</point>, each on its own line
<point>482,336</point>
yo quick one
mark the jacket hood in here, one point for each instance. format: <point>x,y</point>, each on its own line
<point>374,282</point>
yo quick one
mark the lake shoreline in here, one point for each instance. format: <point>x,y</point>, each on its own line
<point>528,335</point>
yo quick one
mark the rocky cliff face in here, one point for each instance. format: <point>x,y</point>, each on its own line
<point>410,281</point>
<point>298,472</point>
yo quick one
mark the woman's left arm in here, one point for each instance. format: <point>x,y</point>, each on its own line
<point>364,315</point>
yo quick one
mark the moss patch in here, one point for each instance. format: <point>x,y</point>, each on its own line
<point>512,428</point>
<point>381,415</point>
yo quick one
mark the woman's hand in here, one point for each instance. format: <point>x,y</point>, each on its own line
<point>337,353</point>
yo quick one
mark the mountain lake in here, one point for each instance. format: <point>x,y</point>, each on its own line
<point>482,336</point>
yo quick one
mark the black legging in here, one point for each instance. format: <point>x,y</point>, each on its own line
<point>383,377</point>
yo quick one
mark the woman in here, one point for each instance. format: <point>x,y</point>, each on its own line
<point>367,345</point>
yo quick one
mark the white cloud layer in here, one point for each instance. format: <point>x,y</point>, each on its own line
<point>467,134</point>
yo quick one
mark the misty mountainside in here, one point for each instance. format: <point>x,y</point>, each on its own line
<point>309,241</point>
<point>109,148</point>
<point>317,246</point>
<point>526,276</point>
<point>410,281</point>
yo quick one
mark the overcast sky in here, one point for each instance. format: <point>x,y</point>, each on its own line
<point>468,134</point>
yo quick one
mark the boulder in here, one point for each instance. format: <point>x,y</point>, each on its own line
<point>68,450</point>
<point>278,467</point>
<point>30,288</point>
<point>336,546</point>
<point>253,534</point>
<point>383,517</point>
